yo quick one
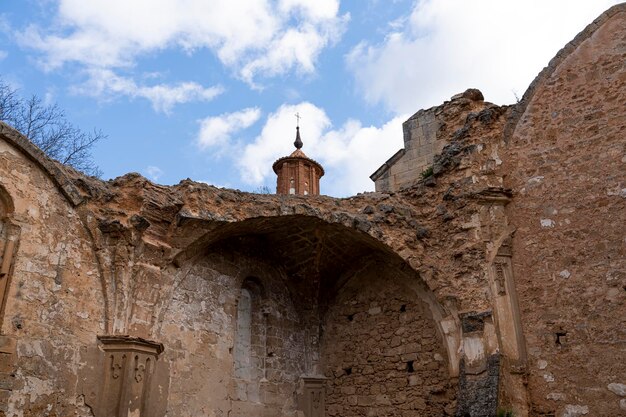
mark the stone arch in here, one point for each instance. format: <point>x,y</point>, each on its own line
<point>520,108</point>
<point>47,165</point>
<point>303,238</point>
<point>316,257</point>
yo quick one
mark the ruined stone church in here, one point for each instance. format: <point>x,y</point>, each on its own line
<point>485,276</point>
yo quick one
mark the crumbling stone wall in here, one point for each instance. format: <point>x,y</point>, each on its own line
<point>54,303</point>
<point>147,238</point>
<point>426,134</point>
<point>200,329</point>
<point>508,260</point>
<point>566,162</point>
<point>382,351</point>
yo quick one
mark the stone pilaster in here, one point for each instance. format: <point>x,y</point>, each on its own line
<point>127,377</point>
<point>311,398</point>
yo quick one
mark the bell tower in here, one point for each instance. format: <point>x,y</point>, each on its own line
<point>297,173</point>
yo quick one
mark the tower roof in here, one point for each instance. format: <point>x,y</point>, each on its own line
<point>297,154</point>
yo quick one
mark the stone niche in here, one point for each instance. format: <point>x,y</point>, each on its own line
<point>479,367</point>
<point>131,378</point>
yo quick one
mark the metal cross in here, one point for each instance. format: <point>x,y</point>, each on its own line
<point>298,117</point>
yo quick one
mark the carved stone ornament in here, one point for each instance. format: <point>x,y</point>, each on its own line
<point>312,397</point>
<point>129,367</point>
<point>500,279</point>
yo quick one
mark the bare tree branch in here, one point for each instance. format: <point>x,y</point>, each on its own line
<point>47,127</point>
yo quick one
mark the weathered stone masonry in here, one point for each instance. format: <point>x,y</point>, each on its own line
<point>495,280</point>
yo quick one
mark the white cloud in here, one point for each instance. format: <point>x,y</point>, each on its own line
<point>154,172</point>
<point>276,140</point>
<point>244,34</point>
<point>446,46</point>
<point>295,48</point>
<point>217,131</point>
<point>3,54</point>
<point>317,10</point>
<point>349,154</point>
<point>353,152</point>
<point>105,83</point>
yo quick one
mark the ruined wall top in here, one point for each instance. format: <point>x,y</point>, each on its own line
<point>53,169</point>
<point>426,134</point>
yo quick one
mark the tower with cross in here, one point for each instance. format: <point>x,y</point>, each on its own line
<point>297,174</point>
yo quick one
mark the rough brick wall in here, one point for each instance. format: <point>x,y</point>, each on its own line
<point>566,161</point>
<point>382,352</point>
<point>298,173</point>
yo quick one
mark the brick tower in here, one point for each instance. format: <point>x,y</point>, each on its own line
<point>297,173</point>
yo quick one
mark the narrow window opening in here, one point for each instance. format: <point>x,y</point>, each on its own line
<point>350,317</point>
<point>348,371</point>
<point>243,339</point>
<point>403,308</point>
<point>409,367</point>
<point>559,335</point>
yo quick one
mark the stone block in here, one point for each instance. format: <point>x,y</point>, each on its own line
<point>8,344</point>
<point>426,150</point>
<point>430,131</point>
<point>618,389</point>
<point>7,381</point>
<point>7,363</point>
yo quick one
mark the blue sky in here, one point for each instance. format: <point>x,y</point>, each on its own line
<point>208,89</point>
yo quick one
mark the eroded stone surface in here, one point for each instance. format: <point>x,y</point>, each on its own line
<point>387,303</point>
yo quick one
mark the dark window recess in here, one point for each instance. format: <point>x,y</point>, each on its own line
<point>409,367</point>
<point>403,308</point>
<point>350,317</point>
<point>559,335</point>
<point>348,371</point>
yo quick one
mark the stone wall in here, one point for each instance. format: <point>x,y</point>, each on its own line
<point>54,301</point>
<point>566,161</point>
<point>382,352</point>
<point>426,133</point>
<point>200,330</point>
<point>499,277</point>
